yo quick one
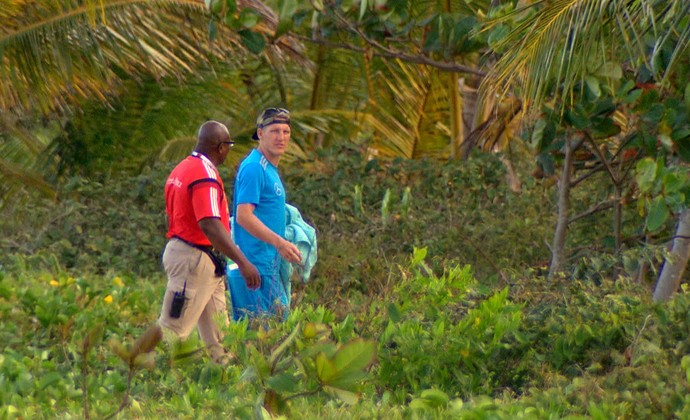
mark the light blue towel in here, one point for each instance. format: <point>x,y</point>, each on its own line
<point>303,236</point>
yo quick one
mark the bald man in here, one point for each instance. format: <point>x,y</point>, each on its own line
<point>198,241</point>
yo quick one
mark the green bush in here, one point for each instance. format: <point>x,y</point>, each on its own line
<point>444,332</point>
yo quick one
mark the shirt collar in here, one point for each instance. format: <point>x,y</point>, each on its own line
<point>204,158</point>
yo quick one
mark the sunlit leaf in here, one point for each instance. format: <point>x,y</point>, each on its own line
<point>657,214</point>
<point>646,174</point>
<point>355,355</point>
<point>325,369</point>
<point>593,85</point>
<point>347,397</point>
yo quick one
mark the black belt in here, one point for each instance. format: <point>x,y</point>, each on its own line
<point>205,248</point>
<point>216,256</point>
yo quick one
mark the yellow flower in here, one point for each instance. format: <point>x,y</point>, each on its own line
<point>118,282</point>
<point>54,283</point>
<point>108,299</point>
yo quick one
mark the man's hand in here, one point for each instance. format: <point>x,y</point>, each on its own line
<point>220,239</point>
<point>250,274</point>
<point>289,252</point>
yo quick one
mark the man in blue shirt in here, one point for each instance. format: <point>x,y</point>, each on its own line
<point>259,220</point>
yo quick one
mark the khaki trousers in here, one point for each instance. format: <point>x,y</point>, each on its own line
<point>204,292</point>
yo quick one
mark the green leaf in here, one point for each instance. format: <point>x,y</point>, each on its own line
<point>538,132</point>
<point>49,379</point>
<point>610,70</point>
<point>212,30</point>
<point>497,35</point>
<point>385,206</point>
<point>684,150</point>
<point>674,182</point>
<point>230,7</point>
<point>250,374</point>
<point>394,312</point>
<point>283,382</point>
<point>363,4</point>
<point>605,128</point>
<point>349,381</point>
<point>284,26</point>
<point>419,404</point>
<point>687,95</point>
<point>286,9</point>
<point>632,96</point>
<point>675,201</point>
<point>253,41</point>
<point>325,369</point>
<point>345,396</point>
<point>646,174</point>
<point>657,214</point>
<point>593,85</point>
<point>435,397</point>
<point>354,356</point>
<point>216,6</point>
<point>685,363</point>
<point>233,22</point>
<point>433,38</point>
<point>405,201</point>
<point>418,256</point>
<point>577,119</point>
<point>681,134</point>
<point>248,18</point>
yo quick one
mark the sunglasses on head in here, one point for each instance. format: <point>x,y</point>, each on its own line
<point>271,115</point>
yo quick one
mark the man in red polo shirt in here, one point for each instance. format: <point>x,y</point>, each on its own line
<point>198,241</point>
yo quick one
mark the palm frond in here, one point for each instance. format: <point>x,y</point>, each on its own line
<point>52,53</point>
<point>25,179</point>
<point>556,46</point>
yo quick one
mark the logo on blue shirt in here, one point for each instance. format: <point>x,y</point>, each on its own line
<point>277,188</point>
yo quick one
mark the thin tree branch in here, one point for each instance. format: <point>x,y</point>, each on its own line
<point>592,171</point>
<point>382,51</point>
<point>604,205</point>
<point>602,158</point>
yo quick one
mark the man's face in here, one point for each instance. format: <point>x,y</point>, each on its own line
<point>274,138</point>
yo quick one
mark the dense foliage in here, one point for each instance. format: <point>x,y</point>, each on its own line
<point>457,329</point>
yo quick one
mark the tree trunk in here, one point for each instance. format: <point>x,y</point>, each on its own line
<point>558,248</point>
<point>674,266</point>
<point>456,124</point>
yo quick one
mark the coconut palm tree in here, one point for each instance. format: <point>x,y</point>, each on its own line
<point>57,56</point>
<point>560,48</point>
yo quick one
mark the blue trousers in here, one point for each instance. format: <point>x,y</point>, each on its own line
<point>270,299</point>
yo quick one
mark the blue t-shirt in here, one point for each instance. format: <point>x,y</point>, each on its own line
<point>259,183</point>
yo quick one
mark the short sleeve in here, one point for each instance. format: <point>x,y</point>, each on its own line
<point>207,197</point>
<point>248,184</point>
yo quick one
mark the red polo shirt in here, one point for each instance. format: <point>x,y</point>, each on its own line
<point>193,191</point>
